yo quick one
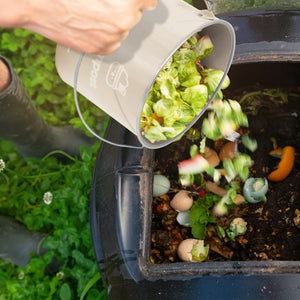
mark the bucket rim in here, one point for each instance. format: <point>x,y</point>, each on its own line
<point>161,144</point>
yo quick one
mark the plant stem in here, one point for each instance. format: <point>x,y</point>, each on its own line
<point>58,152</point>
<point>40,175</point>
<point>248,95</point>
<point>6,177</point>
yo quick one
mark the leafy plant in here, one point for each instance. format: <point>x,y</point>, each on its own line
<point>50,196</point>
<point>200,214</point>
<point>33,59</point>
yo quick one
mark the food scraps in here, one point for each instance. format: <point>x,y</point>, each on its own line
<point>180,91</point>
<point>286,163</point>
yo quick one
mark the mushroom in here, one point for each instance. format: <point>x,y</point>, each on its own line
<point>182,201</point>
<point>229,150</point>
<point>211,156</point>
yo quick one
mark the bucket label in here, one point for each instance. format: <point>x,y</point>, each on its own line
<point>96,65</point>
<point>117,78</point>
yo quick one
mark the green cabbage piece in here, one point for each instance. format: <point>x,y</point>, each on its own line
<point>212,78</point>
<point>255,189</point>
<point>196,96</point>
<point>199,251</point>
<point>180,91</point>
<point>203,47</point>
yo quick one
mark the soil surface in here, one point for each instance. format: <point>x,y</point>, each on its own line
<point>273,226</point>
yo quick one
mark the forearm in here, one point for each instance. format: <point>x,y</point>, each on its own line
<point>94,26</point>
<point>14,13</point>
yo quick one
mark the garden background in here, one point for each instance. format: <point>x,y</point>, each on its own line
<point>24,182</point>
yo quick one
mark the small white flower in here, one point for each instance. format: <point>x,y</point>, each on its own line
<point>47,198</point>
<point>21,275</point>
<point>2,164</point>
<point>60,275</point>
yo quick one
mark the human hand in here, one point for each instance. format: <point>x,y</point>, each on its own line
<point>91,26</point>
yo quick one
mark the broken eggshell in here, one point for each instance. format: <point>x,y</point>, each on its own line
<point>192,250</point>
<point>182,201</point>
<point>161,185</point>
<point>183,218</point>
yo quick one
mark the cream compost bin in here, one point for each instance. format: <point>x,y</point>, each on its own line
<point>120,82</point>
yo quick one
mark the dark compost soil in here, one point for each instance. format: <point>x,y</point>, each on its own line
<point>273,226</point>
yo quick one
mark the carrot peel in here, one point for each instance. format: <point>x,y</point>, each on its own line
<point>286,163</point>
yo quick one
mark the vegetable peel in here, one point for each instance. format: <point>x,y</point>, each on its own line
<point>285,165</point>
<point>194,165</point>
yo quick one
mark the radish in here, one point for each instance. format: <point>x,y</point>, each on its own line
<point>194,165</point>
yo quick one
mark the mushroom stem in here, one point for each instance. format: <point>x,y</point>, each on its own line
<point>215,189</point>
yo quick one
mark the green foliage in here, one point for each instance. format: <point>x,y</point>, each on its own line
<point>33,59</point>
<point>23,185</point>
<point>25,182</point>
<point>200,214</point>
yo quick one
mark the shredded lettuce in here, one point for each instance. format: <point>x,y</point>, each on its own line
<point>180,91</point>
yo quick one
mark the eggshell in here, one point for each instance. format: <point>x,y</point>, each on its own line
<point>182,201</point>
<point>184,249</point>
<point>161,185</point>
<point>229,150</point>
<point>183,218</point>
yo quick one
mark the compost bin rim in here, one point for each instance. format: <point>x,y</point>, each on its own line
<point>185,271</point>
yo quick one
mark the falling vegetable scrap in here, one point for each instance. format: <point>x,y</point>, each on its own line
<point>224,118</point>
<point>180,91</point>
<point>221,182</point>
<point>287,155</point>
<point>200,210</point>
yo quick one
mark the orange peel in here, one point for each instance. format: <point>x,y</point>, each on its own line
<point>285,165</point>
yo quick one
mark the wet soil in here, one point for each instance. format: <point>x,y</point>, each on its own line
<point>273,226</point>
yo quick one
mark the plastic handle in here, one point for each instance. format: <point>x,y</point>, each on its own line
<point>211,5</point>
<point>202,4</point>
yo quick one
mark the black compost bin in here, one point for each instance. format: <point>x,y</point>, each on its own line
<point>267,51</point>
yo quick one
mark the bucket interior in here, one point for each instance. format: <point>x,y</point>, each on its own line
<point>223,38</point>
